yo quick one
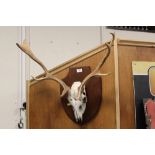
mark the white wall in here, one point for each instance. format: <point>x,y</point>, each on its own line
<point>55,45</point>
<point>9,77</point>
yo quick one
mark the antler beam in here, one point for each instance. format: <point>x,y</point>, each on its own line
<point>27,50</point>
<point>98,67</point>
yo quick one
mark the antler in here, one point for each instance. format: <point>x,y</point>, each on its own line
<point>96,70</point>
<point>27,50</point>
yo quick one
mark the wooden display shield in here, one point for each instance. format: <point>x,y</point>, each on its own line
<point>93,91</point>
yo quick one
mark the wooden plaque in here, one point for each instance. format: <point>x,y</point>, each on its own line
<point>93,91</point>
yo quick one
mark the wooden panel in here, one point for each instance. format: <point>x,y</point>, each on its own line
<point>45,109</point>
<point>127,54</point>
<point>93,86</point>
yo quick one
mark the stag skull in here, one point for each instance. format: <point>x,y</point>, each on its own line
<point>78,104</point>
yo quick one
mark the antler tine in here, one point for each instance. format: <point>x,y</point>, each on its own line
<point>62,83</point>
<point>113,38</point>
<point>26,49</point>
<point>100,64</point>
<point>51,77</point>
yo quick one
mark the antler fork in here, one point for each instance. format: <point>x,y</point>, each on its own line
<point>27,50</point>
<point>98,67</point>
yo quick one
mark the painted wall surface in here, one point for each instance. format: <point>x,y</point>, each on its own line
<point>9,77</point>
<point>55,45</point>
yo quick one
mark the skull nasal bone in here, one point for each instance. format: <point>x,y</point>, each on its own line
<point>84,99</point>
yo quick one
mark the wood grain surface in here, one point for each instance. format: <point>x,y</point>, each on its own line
<point>127,54</point>
<point>45,108</point>
<point>93,86</point>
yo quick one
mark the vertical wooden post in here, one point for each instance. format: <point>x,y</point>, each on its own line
<point>27,61</point>
<point>27,103</point>
<point>117,83</point>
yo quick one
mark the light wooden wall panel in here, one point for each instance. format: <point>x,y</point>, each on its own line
<point>46,110</point>
<point>127,54</point>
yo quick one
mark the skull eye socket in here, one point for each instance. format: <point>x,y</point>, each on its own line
<point>84,93</point>
<point>80,107</point>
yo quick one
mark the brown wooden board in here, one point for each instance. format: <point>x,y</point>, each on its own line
<point>44,104</point>
<point>46,110</point>
<point>93,86</point>
<point>127,54</point>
